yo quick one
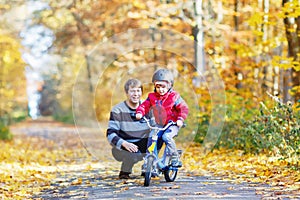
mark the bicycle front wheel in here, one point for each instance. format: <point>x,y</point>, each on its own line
<point>149,168</point>
<point>170,174</point>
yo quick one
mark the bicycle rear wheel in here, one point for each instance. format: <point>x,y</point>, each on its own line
<point>149,168</point>
<point>170,174</point>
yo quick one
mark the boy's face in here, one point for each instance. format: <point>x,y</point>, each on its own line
<point>134,94</point>
<point>162,87</point>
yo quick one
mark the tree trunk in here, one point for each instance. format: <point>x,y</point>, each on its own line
<point>268,71</point>
<point>293,49</point>
<point>89,75</point>
<point>198,37</point>
<point>236,63</point>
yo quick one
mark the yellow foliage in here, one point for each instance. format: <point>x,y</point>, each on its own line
<point>139,4</point>
<point>12,89</point>
<point>256,19</point>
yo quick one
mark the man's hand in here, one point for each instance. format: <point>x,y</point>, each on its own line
<point>138,116</point>
<point>130,146</point>
<point>179,123</point>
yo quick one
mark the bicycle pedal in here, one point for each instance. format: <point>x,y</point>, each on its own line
<point>164,168</point>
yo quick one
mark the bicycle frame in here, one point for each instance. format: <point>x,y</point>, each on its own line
<point>153,162</point>
<point>156,135</point>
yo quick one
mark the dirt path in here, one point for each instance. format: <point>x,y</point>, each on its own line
<point>98,179</point>
<point>97,186</point>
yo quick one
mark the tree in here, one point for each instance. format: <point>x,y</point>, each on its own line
<point>292,29</point>
<point>198,33</point>
<point>12,89</point>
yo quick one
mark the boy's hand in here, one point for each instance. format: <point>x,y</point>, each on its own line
<point>138,116</point>
<point>179,123</point>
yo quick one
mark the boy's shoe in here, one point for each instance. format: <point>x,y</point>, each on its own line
<point>175,162</point>
<point>124,175</point>
<point>179,152</point>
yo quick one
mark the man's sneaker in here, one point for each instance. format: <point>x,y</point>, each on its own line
<point>124,175</point>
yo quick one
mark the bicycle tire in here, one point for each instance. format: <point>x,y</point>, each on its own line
<point>148,172</point>
<point>170,175</point>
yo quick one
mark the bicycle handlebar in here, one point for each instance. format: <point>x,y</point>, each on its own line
<point>170,123</point>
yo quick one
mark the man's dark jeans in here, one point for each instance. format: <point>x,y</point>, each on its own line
<point>128,159</point>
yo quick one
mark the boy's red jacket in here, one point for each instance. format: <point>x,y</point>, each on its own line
<point>165,108</point>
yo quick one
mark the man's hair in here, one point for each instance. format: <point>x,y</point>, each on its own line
<point>133,83</point>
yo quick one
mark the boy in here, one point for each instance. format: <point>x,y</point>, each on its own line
<point>166,105</point>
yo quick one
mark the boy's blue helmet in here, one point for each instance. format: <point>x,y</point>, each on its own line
<point>163,75</point>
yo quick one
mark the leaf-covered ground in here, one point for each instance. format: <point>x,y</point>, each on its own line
<point>42,155</point>
<point>283,179</point>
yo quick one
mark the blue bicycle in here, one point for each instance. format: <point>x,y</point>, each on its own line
<point>153,164</point>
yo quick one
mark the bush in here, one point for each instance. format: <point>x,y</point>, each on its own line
<point>276,130</point>
<point>202,128</point>
<point>4,132</point>
<point>238,110</point>
<point>64,117</point>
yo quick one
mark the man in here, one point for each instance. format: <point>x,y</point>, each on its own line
<point>125,133</point>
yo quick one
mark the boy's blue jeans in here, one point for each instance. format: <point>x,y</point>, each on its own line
<point>168,138</point>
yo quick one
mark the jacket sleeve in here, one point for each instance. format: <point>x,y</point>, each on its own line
<point>182,108</point>
<point>113,129</point>
<point>144,107</point>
